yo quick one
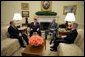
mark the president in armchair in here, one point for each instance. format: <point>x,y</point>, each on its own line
<point>35,27</point>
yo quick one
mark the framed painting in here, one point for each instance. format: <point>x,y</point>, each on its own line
<point>25,13</point>
<point>68,9</point>
<point>24,6</point>
<point>46,5</point>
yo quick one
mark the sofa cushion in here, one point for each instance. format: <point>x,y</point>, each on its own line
<point>69,50</point>
<point>80,39</point>
<point>4,32</point>
<point>9,46</point>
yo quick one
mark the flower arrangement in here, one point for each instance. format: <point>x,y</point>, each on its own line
<point>36,40</point>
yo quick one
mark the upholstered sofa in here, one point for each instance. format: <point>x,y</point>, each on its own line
<point>75,49</point>
<point>8,46</point>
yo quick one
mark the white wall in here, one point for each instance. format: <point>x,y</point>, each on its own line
<point>58,7</point>
<point>8,8</point>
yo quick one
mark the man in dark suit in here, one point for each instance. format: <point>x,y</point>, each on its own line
<point>14,33</point>
<point>71,36</point>
<point>35,27</point>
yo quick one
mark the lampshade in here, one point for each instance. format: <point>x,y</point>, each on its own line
<point>70,17</point>
<point>17,16</point>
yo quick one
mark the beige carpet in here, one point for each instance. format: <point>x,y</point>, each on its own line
<point>46,52</point>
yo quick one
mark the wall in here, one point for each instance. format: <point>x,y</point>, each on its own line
<point>8,8</point>
<point>58,7</point>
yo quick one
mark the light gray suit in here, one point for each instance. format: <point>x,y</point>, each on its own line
<point>53,29</point>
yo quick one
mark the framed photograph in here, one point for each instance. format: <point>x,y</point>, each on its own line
<point>46,5</point>
<point>71,8</point>
<point>24,6</point>
<point>25,13</point>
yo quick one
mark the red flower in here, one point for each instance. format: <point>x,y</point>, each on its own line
<point>36,40</point>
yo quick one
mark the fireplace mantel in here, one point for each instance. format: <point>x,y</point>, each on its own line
<point>46,18</point>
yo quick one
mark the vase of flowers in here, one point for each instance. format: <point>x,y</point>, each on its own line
<point>36,40</point>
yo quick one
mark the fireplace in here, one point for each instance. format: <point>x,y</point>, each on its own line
<point>44,25</point>
<point>45,21</point>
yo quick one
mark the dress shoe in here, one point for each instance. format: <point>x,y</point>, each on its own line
<point>23,46</point>
<point>53,50</point>
<point>51,47</point>
<point>50,43</point>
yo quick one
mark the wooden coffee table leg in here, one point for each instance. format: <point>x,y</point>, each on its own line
<point>45,43</point>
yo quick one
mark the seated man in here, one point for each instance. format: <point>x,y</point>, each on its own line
<point>53,29</point>
<point>35,27</point>
<point>14,33</point>
<point>71,36</point>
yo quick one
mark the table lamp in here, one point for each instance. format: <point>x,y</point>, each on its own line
<point>17,19</point>
<point>69,19</point>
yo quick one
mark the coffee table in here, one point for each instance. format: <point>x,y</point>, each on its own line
<point>34,51</point>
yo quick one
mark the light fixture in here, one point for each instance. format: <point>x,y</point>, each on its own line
<point>17,19</point>
<point>70,17</point>
<point>17,16</point>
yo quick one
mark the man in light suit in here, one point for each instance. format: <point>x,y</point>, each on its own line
<point>35,27</point>
<point>71,36</point>
<point>53,29</point>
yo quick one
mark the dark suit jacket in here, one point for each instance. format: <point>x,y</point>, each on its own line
<point>71,36</point>
<point>35,27</point>
<point>13,32</point>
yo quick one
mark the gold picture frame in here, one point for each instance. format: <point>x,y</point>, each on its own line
<point>25,13</point>
<point>71,8</point>
<point>24,6</point>
<point>46,5</point>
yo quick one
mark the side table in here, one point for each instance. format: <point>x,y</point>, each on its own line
<point>23,30</point>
